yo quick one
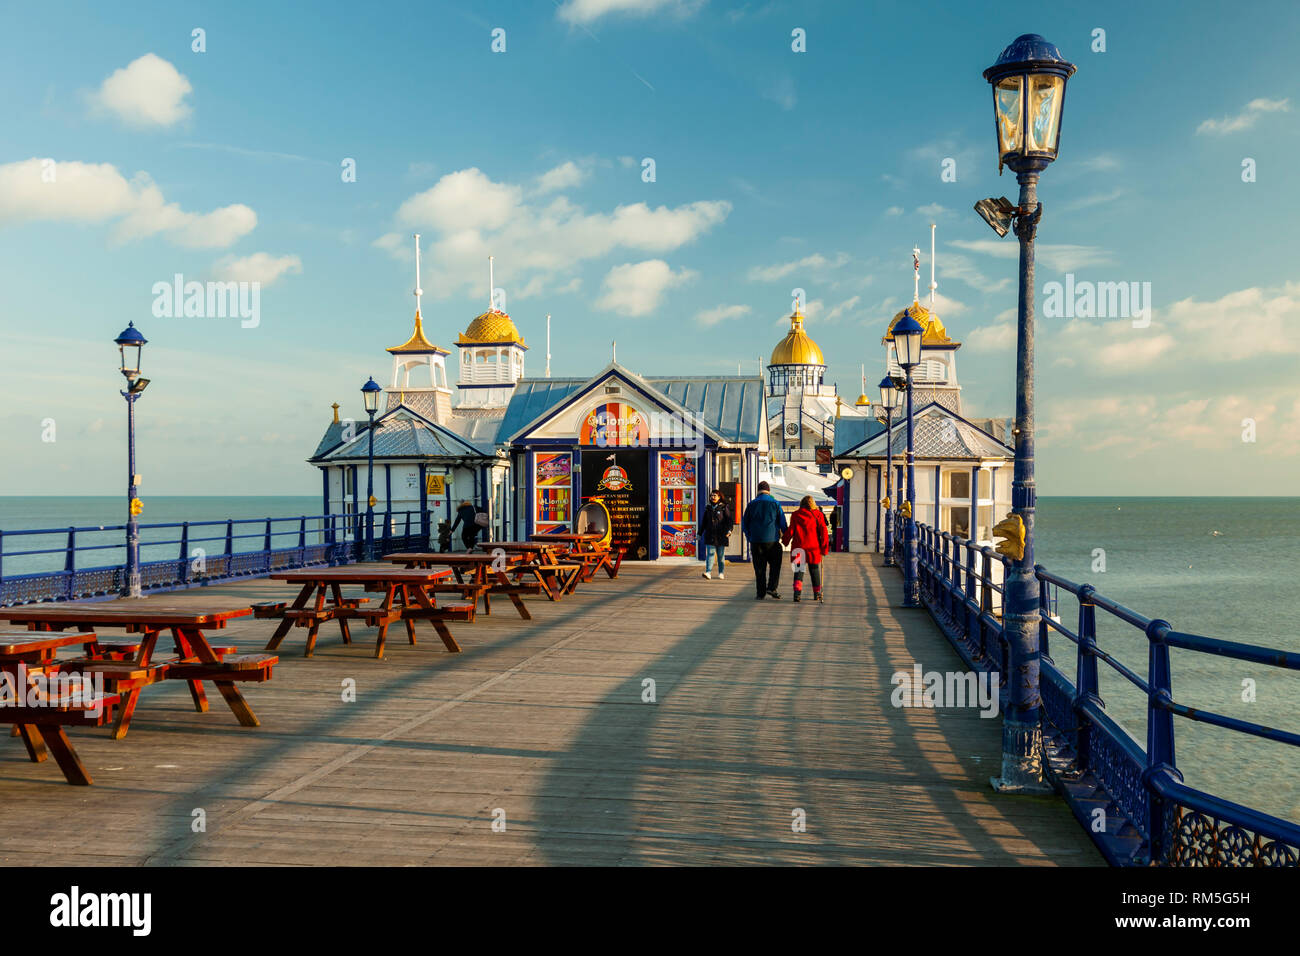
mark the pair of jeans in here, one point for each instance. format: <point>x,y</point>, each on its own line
<point>766,556</point>
<point>709,551</point>
<point>814,572</point>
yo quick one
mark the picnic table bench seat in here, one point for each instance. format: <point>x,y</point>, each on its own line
<point>254,666</point>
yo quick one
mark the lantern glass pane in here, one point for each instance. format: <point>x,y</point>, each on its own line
<point>1006,104</point>
<point>1045,94</point>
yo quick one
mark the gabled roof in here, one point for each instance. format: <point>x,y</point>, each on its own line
<point>333,437</point>
<point>730,408</point>
<point>852,432</point>
<point>404,433</point>
<point>938,432</point>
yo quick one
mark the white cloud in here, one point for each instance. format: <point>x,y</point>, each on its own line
<point>396,244</point>
<point>468,216</point>
<point>261,267</point>
<point>637,289</point>
<point>932,211</point>
<point>815,262</point>
<point>588,11</point>
<point>148,91</point>
<point>961,268</point>
<point>844,307</point>
<point>894,211</point>
<point>999,337</point>
<point>563,176</point>
<point>1247,118</point>
<point>720,313</point>
<point>97,192</point>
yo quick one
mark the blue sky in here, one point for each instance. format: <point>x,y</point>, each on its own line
<point>774,170</point>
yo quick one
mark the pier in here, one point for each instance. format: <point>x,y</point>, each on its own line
<point>770,738</point>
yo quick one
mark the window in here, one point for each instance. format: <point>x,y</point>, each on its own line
<point>464,358</point>
<point>957,521</point>
<point>956,484</point>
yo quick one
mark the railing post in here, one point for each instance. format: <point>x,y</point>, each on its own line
<point>971,616</point>
<point>986,605</point>
<point>266,547</point>
<point>230,547</point>
<point>1044,607</point>
<point>1086,685</point>
<point>1160,736</point>
<point>185,553</point>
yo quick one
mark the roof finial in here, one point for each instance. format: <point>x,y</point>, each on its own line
<point>491,287</point>
<point>548,345</point>
<point>916,274</point>
<point>418,291</point>
<point>335,406</point>
<point>933,284</point>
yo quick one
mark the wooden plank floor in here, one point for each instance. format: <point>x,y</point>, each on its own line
<point>762,709</point>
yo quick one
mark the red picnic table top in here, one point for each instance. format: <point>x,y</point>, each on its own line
<point>565,537</point>
<point>141,614</point>
<point>361,575</point>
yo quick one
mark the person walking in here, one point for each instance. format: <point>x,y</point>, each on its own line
<point>809,543</point>
<point>715,530</point>
<point>465,515</point>
<point>764,525</point>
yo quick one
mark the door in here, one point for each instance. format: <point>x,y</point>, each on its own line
<point>621,478</point>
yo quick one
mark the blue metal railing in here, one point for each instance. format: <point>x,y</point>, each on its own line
<point>190,553</point>
<point>1090,758</point>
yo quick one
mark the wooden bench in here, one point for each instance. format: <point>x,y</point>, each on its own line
<point>254,667</point>
<point>43,727</point>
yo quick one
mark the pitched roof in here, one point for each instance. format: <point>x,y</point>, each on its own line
<point>402,433</point>
<point>938,432</point>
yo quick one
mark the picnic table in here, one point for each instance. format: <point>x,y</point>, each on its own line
<point>128,665</point>
<point>488,574</point>
<point>586,549</point>
<point>547,561</point>
<point>40,718</point>
<point>407,596</point>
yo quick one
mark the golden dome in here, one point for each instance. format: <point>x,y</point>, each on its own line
<point>417,342</point>
<point>797,348</point>
<point>935,333</point>
<point>492,326</point>
<point>863,400</point>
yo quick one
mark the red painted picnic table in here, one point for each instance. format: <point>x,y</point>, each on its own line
<point>408,596</point>
<point>489,574</point>
<point>547,561</point>
<point>40,718</point>
<point>130,665</point>
<point>586,550</point>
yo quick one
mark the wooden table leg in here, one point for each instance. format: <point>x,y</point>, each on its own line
<point>238,705</point>
<point>32,741</point>
<point>315,622</point>
<point>422,597</point>
<point>514,598</point>
<point>406,602</point>
<point>387,607</point>
<point>286,622</point>
<point>65,756</point>
<point>343,621</point>
<point>125,709</point>
<point>186,651</point>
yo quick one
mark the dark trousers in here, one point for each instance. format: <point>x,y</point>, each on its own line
<point>468,536</point>
<point>767,565</point>
<point>814,572</point>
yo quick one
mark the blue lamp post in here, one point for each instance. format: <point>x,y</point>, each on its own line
<point>370,393</point>
<point>907,343</point>
<point>129,344</point>
<point>1028,83</point>
<point>890,396</point>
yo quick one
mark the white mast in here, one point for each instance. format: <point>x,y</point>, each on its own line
<point>916,273</point>
<point>418,291</point>
<point>548,345</point>
<point>491,286</point>
<point>933,284</point>
<point>613,349</point>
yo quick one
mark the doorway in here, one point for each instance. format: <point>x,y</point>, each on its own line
<point>621,479</point>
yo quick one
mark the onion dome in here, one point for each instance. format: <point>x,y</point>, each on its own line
<point>417,344</point>
<point>492,327</point>
<point>797,348</point>
<point>935,333</point>
<point>863,401</point>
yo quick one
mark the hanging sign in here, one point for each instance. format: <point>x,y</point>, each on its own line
<point>614,425</point>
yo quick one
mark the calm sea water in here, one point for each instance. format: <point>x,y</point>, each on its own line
<point>1161,559</point>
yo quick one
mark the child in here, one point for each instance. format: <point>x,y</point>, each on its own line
<point>444,537</point>
<point>809,543</point>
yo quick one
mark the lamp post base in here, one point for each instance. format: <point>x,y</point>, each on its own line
<point>1022,760</point>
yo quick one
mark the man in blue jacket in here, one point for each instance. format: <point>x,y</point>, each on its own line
<point>764,524</point>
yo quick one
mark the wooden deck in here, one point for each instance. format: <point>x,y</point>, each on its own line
<point>762,708</point>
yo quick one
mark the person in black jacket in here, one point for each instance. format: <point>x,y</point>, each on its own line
<point>465,515</point>
<point>715,530</point>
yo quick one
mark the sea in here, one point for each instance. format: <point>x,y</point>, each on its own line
<point>1220,567</point>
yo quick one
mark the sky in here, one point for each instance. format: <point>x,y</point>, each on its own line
<point>304,144</point>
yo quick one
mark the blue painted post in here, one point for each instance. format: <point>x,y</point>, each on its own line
<point>185,552</point>
<point>1160,736</point>
<point>911,596</point>
<point>302,540</point>
<point>1044,611</point>
<point>132,589</point>
<point>972,606</point>
<point>889,485</point>
<point>70,565</point>
<point>424,505</point>
<point>370,490</point>
<point>1022,735</point>
<point>1087,687</point>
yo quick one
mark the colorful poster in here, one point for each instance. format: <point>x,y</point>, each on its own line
<point>677,541</point>
<point>676,469</point>
<point>553,476</point>
<point>615,425</point>
<point>553,468</point>
<point>677,505</point>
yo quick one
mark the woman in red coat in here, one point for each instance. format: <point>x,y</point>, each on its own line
<point>809,542</point>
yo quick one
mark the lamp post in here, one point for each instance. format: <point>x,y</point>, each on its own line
<point>890,396</point>
<point>1028,82</point>
<point>370,394</point>
<point>129,345</point>
<point>907,344</point>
